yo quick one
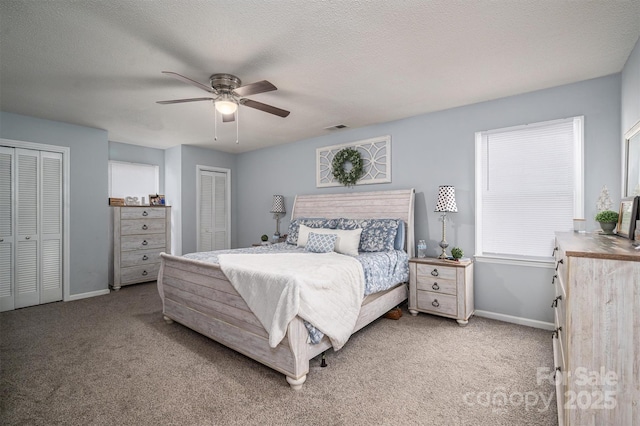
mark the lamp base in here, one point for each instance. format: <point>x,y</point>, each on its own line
<point>443,244</point>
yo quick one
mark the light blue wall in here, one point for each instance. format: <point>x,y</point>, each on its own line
<point>89,210</point>
<point>631,90</point>
<point>436,149</point>
<point>173,195</point>
<point>139,154</point>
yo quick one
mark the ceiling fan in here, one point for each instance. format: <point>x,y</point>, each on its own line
<point>228,93</point>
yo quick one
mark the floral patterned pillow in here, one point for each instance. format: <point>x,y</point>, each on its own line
<point>294,226</point>
<point>377,234</point>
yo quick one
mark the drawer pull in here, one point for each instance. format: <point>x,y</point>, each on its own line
<point>145,227</point>
<point>435,303</point>
<point>144,213</point>
<point>144,243</point>
<point>145,273</point>
<point>554,304</point>
<point>558,370</point>
<point>555,249</point>
<point>434,272</point>
<point>1,240</point>
<point>27,237</point>
<point>145,257</point>
<point>435,286</point>
<point>553,280</point>
<point>558,264</point>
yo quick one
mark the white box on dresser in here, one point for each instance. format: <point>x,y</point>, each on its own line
<point>596,342</point>
<point>441,287</point>
<point>140,234</point>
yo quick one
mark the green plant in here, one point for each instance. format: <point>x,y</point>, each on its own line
<point>607,216</point>
<point>264,237</point>
<point>457,253</point>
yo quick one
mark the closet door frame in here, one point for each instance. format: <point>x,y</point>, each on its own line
<point>66,173</point>
<point>227,172</point>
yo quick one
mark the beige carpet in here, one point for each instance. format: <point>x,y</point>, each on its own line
<point>112,360</point>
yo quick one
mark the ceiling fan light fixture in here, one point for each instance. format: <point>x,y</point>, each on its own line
<point>226,106</point>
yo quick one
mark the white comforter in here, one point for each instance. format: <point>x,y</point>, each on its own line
<point>324,289</point>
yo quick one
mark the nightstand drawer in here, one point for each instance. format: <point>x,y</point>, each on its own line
<point>436,271</point>
<point>439,303</point>
<point>437,286</point>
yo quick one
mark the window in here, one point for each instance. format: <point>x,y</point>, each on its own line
<point>133,180</point>
<point>528,185</point>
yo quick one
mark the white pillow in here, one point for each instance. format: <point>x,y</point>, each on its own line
<point>346,243</point>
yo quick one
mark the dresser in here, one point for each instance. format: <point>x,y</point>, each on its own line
<point>596,341</point>
<point>140,234</point>
<point>441,287</point>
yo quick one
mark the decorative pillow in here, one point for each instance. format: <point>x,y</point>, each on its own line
<point>346,243</point>
<point>292,234</point>
<point>377,234</point>
<point>398,243</point>
<point>321,243</point>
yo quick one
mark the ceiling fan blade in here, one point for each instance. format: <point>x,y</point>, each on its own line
<point>179,101</point>
<point>264,107</point>
<point>254,88</point>
<point>192,82</point>
<point>226,118</point>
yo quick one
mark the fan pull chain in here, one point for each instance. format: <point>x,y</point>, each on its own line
<point>215,123</point>
<point>237,125</point>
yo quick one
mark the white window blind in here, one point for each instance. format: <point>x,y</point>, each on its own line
<point>133,180</point>
<point>528,185</point>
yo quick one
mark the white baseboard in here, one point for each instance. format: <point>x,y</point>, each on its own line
<point>89,294</point>
<point>516,320</point>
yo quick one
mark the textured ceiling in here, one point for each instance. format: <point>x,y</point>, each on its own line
<point>98,63</point>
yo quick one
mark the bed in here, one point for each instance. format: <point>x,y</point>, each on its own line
<point>200,296</point>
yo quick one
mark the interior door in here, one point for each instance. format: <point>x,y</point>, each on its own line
<point>213,212</point>
<point>51,227</point>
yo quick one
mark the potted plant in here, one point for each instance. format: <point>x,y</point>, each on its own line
<point>457,253</point>
<point>608,220</point>
<point>265,240</point>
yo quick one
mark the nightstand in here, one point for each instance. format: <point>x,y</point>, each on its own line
<point>441,287</point>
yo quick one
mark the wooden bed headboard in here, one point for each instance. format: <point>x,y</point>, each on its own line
<point>397,204</point>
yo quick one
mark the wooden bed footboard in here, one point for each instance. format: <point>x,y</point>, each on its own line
<point>199,296</point>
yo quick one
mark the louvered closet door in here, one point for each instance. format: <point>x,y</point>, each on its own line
<point>26,263</point>
<point>213,231</point>
<point>51,227</point>
<point>7,203</point>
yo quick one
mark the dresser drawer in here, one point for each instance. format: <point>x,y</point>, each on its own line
<point>140,257</point>
<point>142,226</point>
<point>436,285</point>
<point>143,213</point>
<point>436,271</point>
<point>142,273</point>
<point>438,303</point>
<point>142,242</point>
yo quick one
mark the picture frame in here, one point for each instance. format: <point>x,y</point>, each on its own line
<point>156,200</point>
<point>627,217</point>
<point>631,162</point>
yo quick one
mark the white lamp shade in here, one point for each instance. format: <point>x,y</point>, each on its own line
<point>278,204</point>
<point>446,199</point>
<point>226,107</point>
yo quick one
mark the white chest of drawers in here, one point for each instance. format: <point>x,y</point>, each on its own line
<point>441,287</point>
<point>597,337</point>
<point>140,234</point>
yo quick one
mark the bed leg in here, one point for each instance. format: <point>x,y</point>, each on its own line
<point>167,319</point>
<point>296,384</point>
<point>324,360</point>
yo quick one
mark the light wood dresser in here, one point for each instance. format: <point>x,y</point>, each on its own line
<point>441,287</point>
<point>596,343</point>
<point>140,234</point>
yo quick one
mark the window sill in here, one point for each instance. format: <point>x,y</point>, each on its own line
<point>532,263</point>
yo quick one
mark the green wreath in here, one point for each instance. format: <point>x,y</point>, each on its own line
<point>347,155</point>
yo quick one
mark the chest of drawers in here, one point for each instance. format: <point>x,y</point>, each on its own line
<point>441,287</point>
<point>140,234</point>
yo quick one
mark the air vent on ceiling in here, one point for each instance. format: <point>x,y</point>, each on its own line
<point>336,127</point>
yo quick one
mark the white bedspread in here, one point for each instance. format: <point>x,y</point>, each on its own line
<point>324,289</point>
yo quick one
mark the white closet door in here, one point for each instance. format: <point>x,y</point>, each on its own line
<point>51,227</point>
<point>7,203</point>
<point>26,264</point>
<point>213,213</point>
